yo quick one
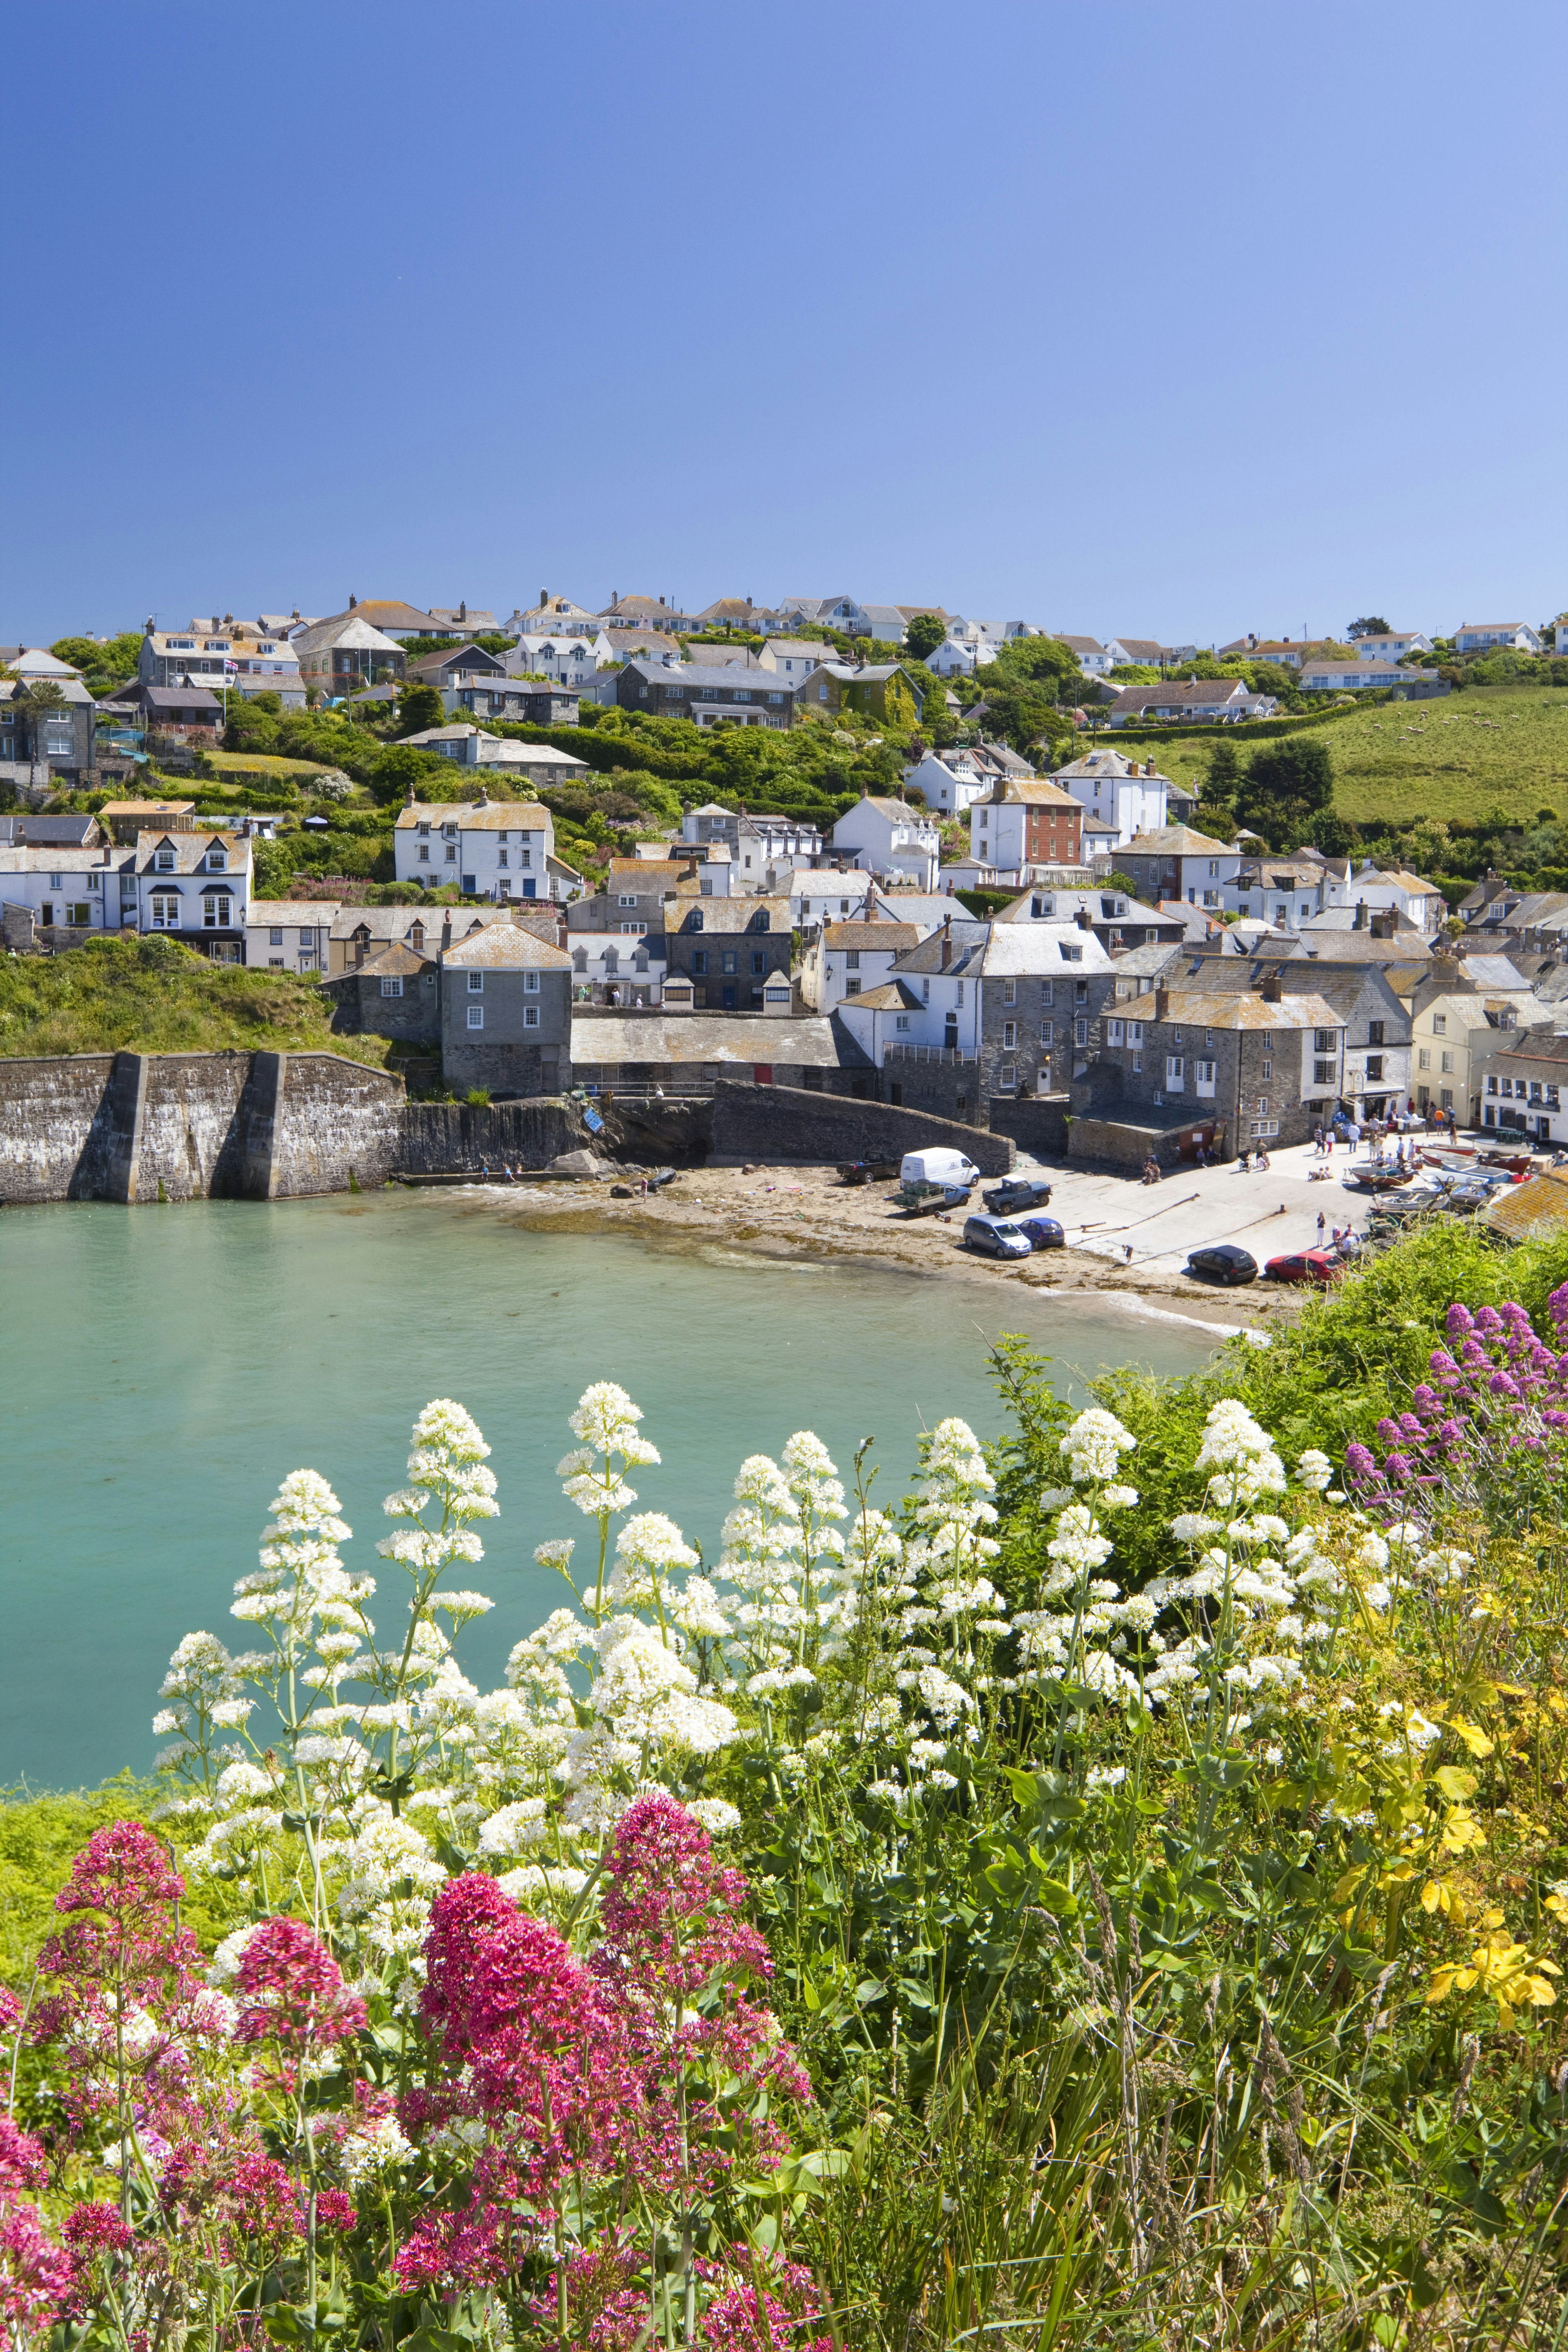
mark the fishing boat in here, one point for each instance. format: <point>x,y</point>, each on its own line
<point>1374,1178</point>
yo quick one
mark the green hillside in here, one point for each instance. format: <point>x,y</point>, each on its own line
<point>153,996</point>
<point>1491,750</point>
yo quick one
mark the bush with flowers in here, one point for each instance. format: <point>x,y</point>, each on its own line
<point>996,1917</point>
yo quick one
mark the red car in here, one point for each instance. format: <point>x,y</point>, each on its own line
<point>1305,1265</point>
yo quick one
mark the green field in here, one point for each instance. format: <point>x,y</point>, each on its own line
<point>153,996</point>
<point>1490,748</point>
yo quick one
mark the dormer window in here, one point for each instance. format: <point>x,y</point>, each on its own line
<point>215,646</point>
<point>423,828</point>
<point>164,861</point>
<point>217,861</point>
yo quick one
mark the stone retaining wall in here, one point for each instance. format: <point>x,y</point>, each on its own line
<point>789,1123</point>
<point>181,1127</point>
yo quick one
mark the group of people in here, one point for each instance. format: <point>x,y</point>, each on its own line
<point>1252,1156</point>
<point>1343,1241</point>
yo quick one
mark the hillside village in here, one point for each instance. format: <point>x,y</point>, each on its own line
<point>881,851</point>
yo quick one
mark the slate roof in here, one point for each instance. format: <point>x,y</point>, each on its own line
<point>1176,841</point>
<point>738,1038</point>
<point>507,947</point>
<point>474,816</point>
<point>879,938</point>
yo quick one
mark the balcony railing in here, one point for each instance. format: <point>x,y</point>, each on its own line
<point>891,1053</point>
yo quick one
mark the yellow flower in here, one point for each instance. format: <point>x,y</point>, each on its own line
<point>1501,1970</point>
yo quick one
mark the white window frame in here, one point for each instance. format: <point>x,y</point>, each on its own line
<point>476,984</point>
<point>476,1017</point>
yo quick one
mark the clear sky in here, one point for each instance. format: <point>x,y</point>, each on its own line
<point>1170,320</point>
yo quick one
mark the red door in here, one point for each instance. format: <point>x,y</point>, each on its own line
<point>762,1074</point>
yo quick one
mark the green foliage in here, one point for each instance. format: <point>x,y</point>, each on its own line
<point>1370,625</point>
<point>1289,784</point>
<point>153,996</point>
<point>418,707</point>
<point>102,665</point>
<point>923,636</point>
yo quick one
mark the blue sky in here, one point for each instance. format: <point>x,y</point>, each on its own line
<point>1174,320</point>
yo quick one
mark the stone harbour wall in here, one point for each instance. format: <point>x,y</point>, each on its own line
<point>184,1126</point>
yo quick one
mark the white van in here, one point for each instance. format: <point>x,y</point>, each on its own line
<point>941,1165</point>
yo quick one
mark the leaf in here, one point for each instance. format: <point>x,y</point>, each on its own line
<point>1475,1739</point>
<point>1455,1782</point>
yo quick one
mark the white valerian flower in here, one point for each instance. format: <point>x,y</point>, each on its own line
<point>547,1880</point>
<point>606,1420</point>
<point>698,1610</point>
<point>1372,1552</point>
<point>515,1829</point>
<point>648,1548</point>
<point>714,1814</point>
<point>1119,1498</point>
<point>1105,1776</point>
<point>374,2148</point>
<point>1095,1443</point>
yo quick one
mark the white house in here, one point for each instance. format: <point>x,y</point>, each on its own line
<point>1325,675</point>
<point>954,780</point>
<point>794,657</point>
<point>1392,644</point>
<point>468,746</point>
<point>1421,903</point>
<point>890,838</point>
<point>567,660</point>
<point>1452,1030</point>
<point>1477,636</point>
<point>1147,653</point>
<point>825,893</point>
<point>195,885</point>
<point>845,959</point>
<point>554,616</point>
<point>289,934</point>
<point>1284,892</point>
<point>625,968</point>
<point>957,657</point>
<point>1130,794</point>
<point>1092,657</point>
<point>487,849</point>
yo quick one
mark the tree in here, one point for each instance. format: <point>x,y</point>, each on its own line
<point>100,664</point>
<point>1288,786</point>
<point>1043,662</point>
<point>400,765</point>
<point>419,707</point>
<point>923,636</point>
<point>1223,782</point>
<point>1370,625</point>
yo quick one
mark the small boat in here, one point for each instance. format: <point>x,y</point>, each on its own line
<point>1374,1179</point>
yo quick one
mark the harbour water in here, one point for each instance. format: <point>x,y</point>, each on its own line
<point>160,1370</point>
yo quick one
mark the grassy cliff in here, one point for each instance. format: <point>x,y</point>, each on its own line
<point>155,997</point>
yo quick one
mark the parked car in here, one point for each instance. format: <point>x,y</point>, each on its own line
<point>1044,1233</point>
<point>996,1237</point>
<point>1016,1193</point>
<point>1305,1265</point>
<point>1223,1262</point>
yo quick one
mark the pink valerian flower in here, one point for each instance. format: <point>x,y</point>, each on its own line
<point>10,2015</point>
<point>670,1912</point>
<point>770,2313</point>
<point>292,1990</point>
<point>95,2229</point>
<point>249,2197</point>
<point>335,2209</point>
<point>22,2160</point>
<point>38,2277</point>
<point>525,2038</point>
<point>123,1872</point>
<point>606,2296</point>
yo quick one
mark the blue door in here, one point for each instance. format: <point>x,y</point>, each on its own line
<point>729,996</point>
<point>528,888</point>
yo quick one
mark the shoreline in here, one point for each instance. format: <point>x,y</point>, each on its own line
<point>807,1212</point>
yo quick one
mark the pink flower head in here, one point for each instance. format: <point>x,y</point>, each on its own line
<point>10,2013</point>
<point>22,2164</point>
<point>93,2229</point>
<point>670,1911</point>
<point>122,1870</point>
<point>335,2209</point>
<point>773,2317</point>
<point>36,2277</point>
<point>292,1989</point>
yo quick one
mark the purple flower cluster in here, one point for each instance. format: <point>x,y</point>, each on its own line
<point>1491,1425</point>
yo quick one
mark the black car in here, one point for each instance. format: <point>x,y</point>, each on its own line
<point>1016,1193</point>
<point>1223,1262</point>
<point>1044,1233</point>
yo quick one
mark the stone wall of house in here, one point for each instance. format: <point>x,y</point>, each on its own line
<point>791,1123</point>
<point>1037,1123</point>
<point>503,1068</point>
<point>181,1127</point>
<point>947,1090</point>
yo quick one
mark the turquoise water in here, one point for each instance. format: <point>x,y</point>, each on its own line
<point>160,1370</point>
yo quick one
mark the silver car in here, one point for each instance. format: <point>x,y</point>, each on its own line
<point>996,1237</point>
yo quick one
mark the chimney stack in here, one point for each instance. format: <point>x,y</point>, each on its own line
<point>1273,987</point>
<point>946,942</point>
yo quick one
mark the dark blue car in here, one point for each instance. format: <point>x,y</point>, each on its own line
<point>1044,1233</point>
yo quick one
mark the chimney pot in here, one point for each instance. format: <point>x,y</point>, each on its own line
<point>1161,1003</point>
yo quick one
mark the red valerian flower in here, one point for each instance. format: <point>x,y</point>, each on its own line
<point>292,1989</point>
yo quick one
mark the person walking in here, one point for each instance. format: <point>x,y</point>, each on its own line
<point>1322,1226</point>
